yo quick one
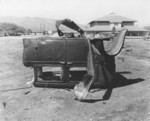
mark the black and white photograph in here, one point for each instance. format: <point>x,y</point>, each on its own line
<point>74,60</point>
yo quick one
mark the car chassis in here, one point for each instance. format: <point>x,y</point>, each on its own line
<point>65,52</point>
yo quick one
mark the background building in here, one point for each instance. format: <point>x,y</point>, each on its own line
<point>106,23</point>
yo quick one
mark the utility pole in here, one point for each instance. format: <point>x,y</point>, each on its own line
<point>40,27</point>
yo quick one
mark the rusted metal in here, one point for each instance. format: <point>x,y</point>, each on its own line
<point>71,52</point>
<point>47,50</point>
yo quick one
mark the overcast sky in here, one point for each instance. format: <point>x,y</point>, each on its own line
<point>81,11</point>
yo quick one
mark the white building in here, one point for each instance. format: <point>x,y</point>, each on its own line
<point>106,23</point>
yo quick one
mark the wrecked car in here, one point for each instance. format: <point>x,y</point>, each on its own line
<point>68,51</point>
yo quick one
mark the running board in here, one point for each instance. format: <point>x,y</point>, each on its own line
<point>50,84</point>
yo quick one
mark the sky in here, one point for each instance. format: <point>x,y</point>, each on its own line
<point>80,11</point>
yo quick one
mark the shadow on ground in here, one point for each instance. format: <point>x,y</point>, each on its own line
<point>121,80</point>
<point>76,76</point>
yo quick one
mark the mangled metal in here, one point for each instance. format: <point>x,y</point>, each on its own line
<point>69,51</point>
<point>47,50</point>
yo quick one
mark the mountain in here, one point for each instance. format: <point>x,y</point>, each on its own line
<point>36,24</point>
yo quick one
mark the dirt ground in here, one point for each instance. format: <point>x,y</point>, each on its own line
<point>129,100</point>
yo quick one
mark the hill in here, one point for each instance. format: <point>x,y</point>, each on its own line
<point>36,24</point>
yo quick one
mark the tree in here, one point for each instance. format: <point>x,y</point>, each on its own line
<point>28,31</point>
<point>12,29</point>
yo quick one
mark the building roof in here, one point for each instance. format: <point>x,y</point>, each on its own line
<point>112,17</point>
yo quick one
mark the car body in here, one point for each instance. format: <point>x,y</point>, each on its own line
<point>48,50</point>
<point>67,52</point>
